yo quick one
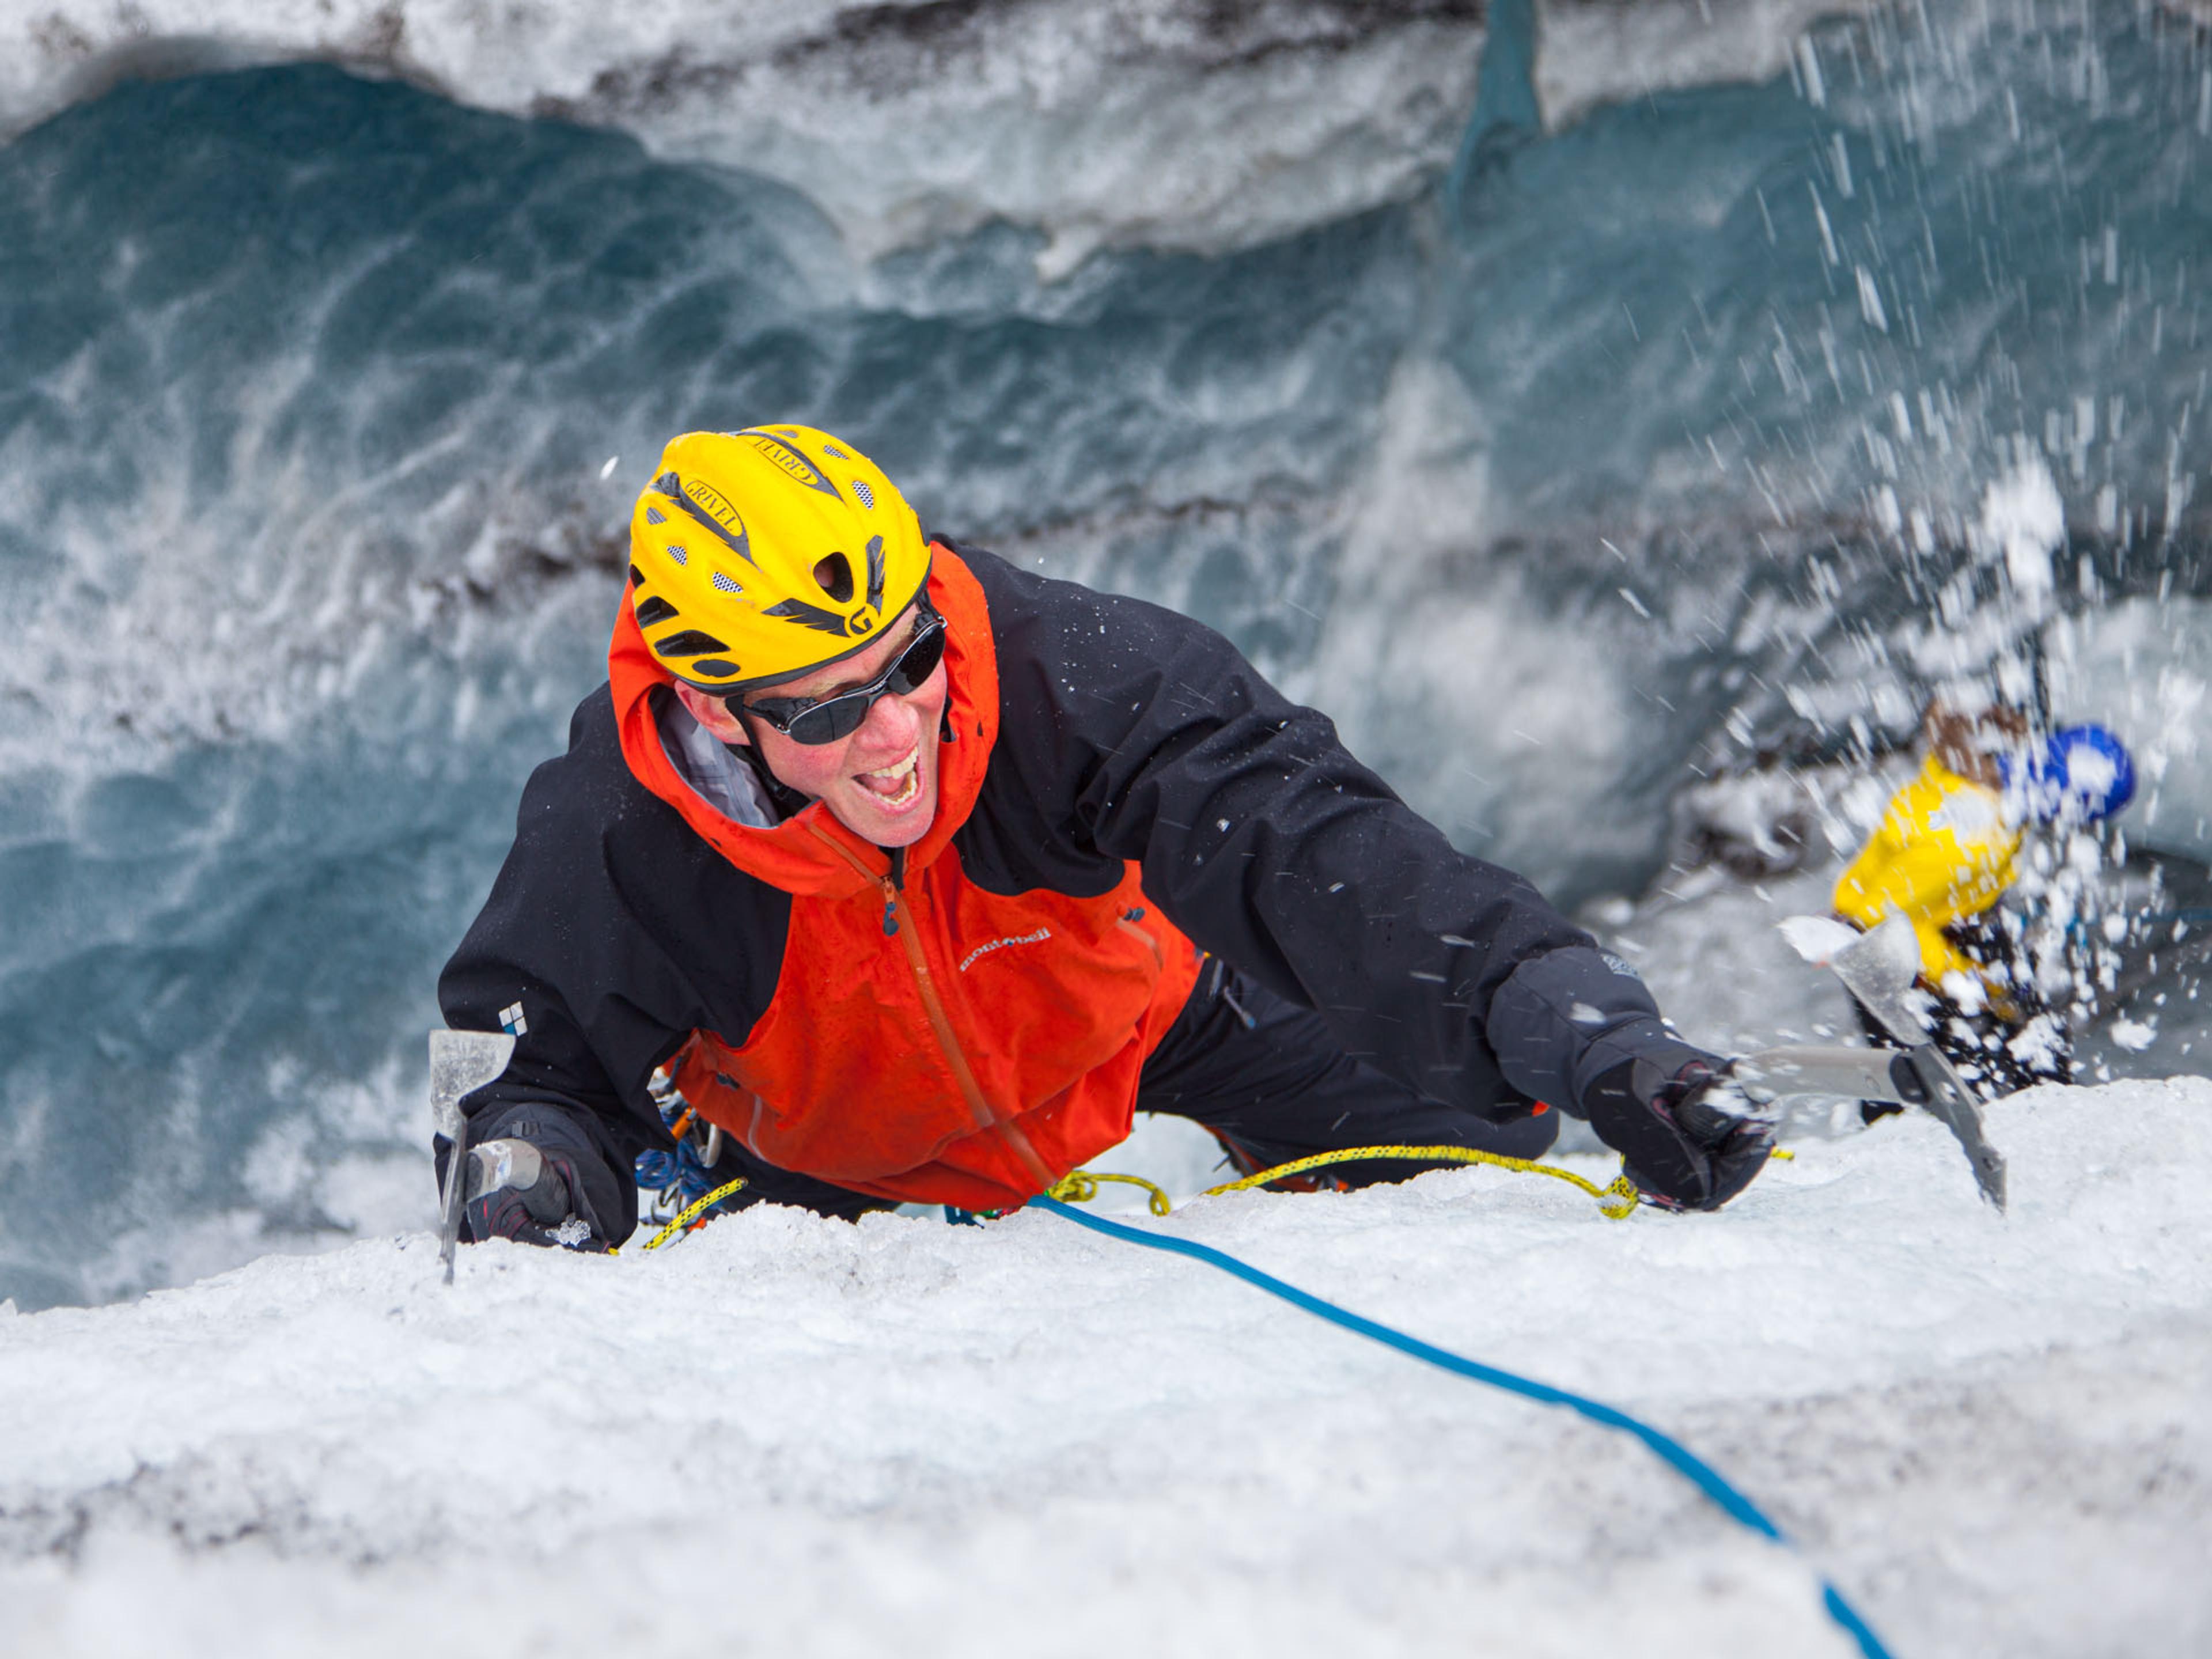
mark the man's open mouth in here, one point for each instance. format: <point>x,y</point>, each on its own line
<point>895,785</point>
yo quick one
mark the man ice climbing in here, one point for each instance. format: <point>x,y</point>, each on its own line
<point>1946,852</point>
<point>906,875</point>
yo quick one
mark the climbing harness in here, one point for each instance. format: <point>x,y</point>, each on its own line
<point>693,1215</point>
<point>683,1177</point>
<point>1701,1475</point>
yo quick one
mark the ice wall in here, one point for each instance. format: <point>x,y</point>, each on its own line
<point>1138,121</point>
<point>1560,462</point>
<point>323,404</point>
<point>1161,123</point>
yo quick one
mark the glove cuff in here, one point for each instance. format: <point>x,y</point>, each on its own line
<point>1647,1041</point>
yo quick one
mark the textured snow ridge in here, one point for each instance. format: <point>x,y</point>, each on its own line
<point>1166,123</point>
<point>1169,122</point>
<point>1600,51</point>
<point>822,1437</point>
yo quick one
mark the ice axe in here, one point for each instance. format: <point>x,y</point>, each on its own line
<point>1878,969</point>
<point>1902,1076</point>
<point>461,1062</point>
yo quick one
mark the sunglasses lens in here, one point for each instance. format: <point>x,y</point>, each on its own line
<point>918,662</point>
<point>826,722</point>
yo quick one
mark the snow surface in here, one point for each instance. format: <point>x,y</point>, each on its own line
<point>790,1434</point>
<point>911,122</point>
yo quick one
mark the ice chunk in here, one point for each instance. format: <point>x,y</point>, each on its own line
<point>2135,1036</point>
<point>1816,938</point>
<point>1967,991</point>
<point>2023,519</point>
<point>2040,1045</point>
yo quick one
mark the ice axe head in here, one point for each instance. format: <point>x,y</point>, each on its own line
<point>1878,967</point>
<point>461,1062</point>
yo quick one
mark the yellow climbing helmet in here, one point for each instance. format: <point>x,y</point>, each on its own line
<point>758,555</point>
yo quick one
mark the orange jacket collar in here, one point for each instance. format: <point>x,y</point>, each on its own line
<point>811,852</point>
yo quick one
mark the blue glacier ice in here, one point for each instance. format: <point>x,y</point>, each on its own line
<point>1619,454</point>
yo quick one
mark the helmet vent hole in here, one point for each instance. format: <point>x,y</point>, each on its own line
<point>867,496</point>
<point>653,611</point>
<point>689,643</point>
<point>834,576</point>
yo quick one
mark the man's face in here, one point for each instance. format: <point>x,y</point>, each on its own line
<point>881,782</point>
<point>1968,743</point>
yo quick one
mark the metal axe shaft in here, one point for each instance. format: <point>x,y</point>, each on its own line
<point>461,1062</point>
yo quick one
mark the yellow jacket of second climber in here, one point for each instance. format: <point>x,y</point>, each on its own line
<point>1944,853</point>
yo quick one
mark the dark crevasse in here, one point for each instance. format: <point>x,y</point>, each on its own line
<point>322,401</point>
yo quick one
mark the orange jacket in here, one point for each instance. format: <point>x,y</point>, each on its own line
<point>933,1042</point>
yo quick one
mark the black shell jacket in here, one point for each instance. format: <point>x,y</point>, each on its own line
<point>1126,732</point>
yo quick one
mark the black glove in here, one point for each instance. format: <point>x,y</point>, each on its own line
<point>1685,1149</point>
<point>519,1191</point>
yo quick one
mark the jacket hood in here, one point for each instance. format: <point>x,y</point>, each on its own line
<point>812,853</point>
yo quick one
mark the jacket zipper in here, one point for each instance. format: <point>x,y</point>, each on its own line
<point>899,923</point>
<point>1129,919</point>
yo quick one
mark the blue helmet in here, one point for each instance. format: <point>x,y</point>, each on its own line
<point>2083,774</point>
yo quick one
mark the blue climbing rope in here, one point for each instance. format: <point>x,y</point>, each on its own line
<point>1700,1473</point>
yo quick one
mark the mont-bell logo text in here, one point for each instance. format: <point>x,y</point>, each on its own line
<point>982,951</point>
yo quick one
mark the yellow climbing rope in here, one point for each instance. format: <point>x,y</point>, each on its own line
<point>1617,1201</point>
<point>691,1213</point>
<point>1081,1186</point>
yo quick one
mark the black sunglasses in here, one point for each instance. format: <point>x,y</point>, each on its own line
<point>804,721</point>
